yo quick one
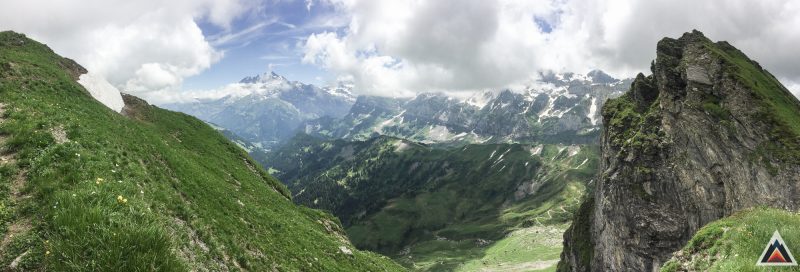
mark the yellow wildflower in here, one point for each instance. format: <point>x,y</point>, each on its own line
<point>121,200</point>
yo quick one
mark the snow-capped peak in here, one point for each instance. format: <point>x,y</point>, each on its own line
<point>598,76</point>
<point>594,76</point>
<point>264,78</point>
<point>341,90</point>
<point>480,99</point>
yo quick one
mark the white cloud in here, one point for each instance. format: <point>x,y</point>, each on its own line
<point>793,86</point>
<point>309,4</point>
<point>138,46</point>
<point>232,90</point>
<point>405,46</point>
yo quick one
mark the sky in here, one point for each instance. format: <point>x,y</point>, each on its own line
<point>165,51</point>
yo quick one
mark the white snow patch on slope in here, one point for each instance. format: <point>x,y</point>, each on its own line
<point>439,133</point>
<point>584,162</point>
<point>401,146</point>
<point>593,111</point>
<point>390,121</point>
<point>492,155</point>
<point>549,111</point>
<point>537,150</point>
<point>480,99</point>
<point>102,91</point>
<point>573,150</point>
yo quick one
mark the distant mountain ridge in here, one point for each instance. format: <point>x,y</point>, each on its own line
<point>562,108</point>
<point>559,108</point>
<point>272,108</point>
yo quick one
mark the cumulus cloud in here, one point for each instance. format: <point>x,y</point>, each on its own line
<point>138,46</point>
<point>401,47</point>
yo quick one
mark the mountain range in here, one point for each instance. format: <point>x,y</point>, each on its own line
<point>270,108</point>
<point>403,174</point>
<point>559,108</point>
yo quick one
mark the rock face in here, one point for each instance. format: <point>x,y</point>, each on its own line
<point>708,134</point>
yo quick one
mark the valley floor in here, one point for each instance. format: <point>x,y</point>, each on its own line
<point>535,248</point>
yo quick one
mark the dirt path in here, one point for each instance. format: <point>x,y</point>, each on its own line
<point>19,226</point>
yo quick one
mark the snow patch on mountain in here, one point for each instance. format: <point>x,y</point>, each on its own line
<point>593,111</point>
<point>550,110</point>
<point>397,119</point>
<point>401,146</point>
<point>573,150</point>
<point>439,133</point>
<point>537,150</point>
<point>102,91</point>
<point>480,99</point>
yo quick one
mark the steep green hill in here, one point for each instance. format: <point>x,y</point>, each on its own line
<point>736,242</point>
<point>84,188</point>
<point>441,209</point>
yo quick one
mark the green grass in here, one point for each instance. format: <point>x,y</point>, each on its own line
<point>528,249</point>
<point>435,203</point>
<point>736,242</point>
<point>777,105</point>
<point>194,199</point>
<point>633,127</point>
<point>534,248</point>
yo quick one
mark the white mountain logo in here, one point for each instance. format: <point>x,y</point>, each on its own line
<point>776,253</point>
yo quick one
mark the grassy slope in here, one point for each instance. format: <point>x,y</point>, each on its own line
<point>521,236</point>
<point>527,249</point>
<point>736,242</point>
<point>777,104</point>
<point>428,207</point>
<point>194,200</point>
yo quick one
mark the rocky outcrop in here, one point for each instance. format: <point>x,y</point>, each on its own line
<point>707,134</point>
<point>75,70</point>
<point>133,107</point>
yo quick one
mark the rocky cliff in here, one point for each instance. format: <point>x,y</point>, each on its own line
<point>708,133</point>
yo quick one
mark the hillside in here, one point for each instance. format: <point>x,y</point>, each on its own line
<point>83,188</point>
<point>442,209</point>
<point>735,242</point>
<point>708,134</point>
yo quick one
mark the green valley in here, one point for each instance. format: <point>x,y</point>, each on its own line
<point>440,209</point>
